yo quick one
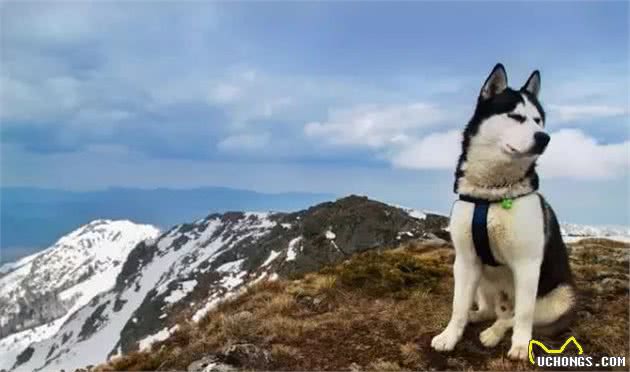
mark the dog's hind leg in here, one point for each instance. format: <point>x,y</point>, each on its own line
<point>491,336</point>
<point>485,303</point>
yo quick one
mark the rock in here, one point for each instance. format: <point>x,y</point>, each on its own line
<point>242,315</point>
<point>433,239</point>
<point>455,364</point>
<point>248,355</point>
<point>199,365</point>
<point>305,300</point>
<point>209,364</point>
<point>333,231</point>
<point>219,367</point>
<point>585,314</point>
<point>442,234</point>
<point>613,284</point>
<point>354,367</point>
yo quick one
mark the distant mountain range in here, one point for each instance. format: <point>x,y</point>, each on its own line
<point>573,232</point>
<point>32,218</point>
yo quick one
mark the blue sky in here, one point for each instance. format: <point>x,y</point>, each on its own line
<point>319,96</point>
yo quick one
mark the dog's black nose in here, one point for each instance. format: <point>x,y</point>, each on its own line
<point>541,140</point>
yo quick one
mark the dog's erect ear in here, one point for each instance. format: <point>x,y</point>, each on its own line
<point>533,84</point>
<point>495,83</point>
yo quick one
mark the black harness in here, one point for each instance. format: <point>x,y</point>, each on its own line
<point>480,226</point>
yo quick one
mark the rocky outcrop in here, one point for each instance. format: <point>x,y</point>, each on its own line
<point>210,364</point>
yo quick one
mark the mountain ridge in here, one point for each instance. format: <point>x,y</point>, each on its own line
<point>39,292</point>
<point>34,217</point>
<point>191,267</point>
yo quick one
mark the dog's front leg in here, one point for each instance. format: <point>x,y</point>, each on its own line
<point>526,275</point>
<point>466,272</point>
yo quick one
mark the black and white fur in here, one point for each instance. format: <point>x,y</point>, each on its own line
<point>533,288</point>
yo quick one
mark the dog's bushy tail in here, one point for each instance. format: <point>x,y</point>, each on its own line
<point>559,307</point>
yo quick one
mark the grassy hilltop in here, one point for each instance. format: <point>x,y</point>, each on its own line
<point>379,311</point>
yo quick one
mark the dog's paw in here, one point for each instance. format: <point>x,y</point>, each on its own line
<point>490,338</point>
<point>445,341</point>
<point>518,352</point>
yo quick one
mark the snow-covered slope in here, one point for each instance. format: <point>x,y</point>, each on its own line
<point>574,232</point>
<point>40,292</point>
<point>187,270</point>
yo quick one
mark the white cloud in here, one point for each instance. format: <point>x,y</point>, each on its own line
<point>46,99</point>
<point>565,113</point>
<point>573,154</point>
<point>435,151</point>
<point>594,86</point>
<point>225,93</point>
<point>244,142</point>
<point>130,74</point>
<point>375,126</point>
<point>393,132</point>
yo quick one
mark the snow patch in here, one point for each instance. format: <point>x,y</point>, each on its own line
<point>330,235</point>
<point>261,277</point>
<point>291,251</point>
<point>178,294</point>
<point>231,267</point>
<point>416,214</point>
<point>335,245</point>
<point>230,282</point>
<point>145,344</point>
<point>214,300</point>
<point>401,233</point>
<point>272,256</point>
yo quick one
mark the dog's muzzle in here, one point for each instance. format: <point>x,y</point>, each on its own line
<point>541,140</point>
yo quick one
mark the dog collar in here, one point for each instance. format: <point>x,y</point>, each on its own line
<point>506,203</point>
<point>480,226</point>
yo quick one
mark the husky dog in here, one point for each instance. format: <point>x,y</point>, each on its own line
<point>526,283</point>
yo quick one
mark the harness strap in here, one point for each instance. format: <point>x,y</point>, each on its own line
<point>480,230</point>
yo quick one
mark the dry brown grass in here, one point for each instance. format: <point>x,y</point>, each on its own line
<point>382,365</point>
<point>334,320</point>
<point>410,354</point>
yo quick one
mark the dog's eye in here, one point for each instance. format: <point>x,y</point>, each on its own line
<point>537,120</point>
<point>517,117</point>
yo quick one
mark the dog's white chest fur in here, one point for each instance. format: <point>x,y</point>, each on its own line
<point>514,234</point>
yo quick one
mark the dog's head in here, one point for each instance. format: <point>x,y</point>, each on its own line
<point>503,139</point>
<point>509,123</point>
